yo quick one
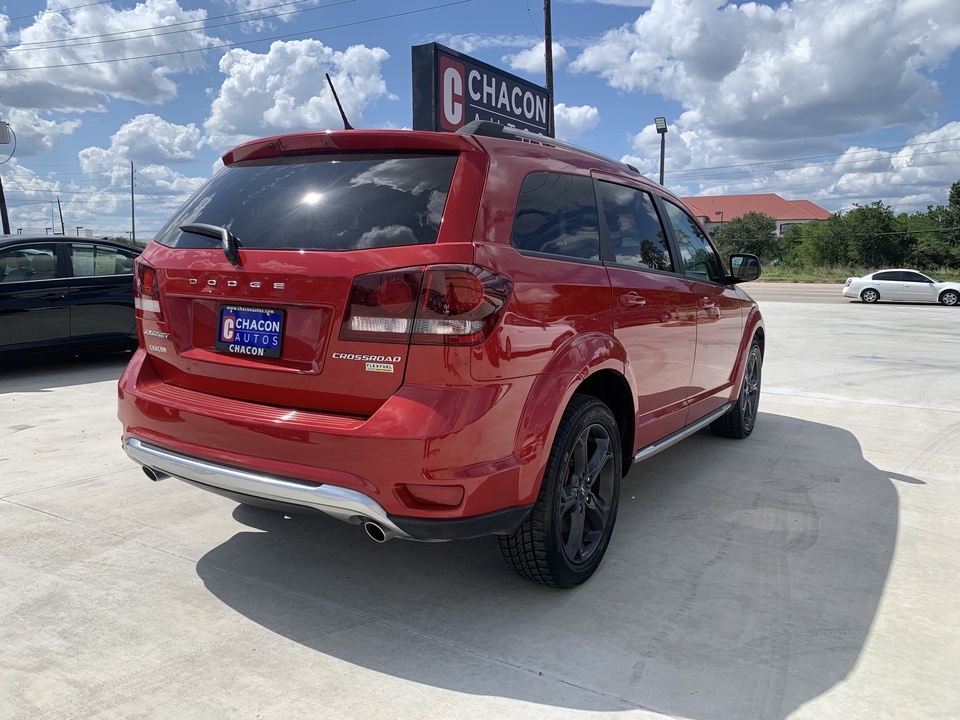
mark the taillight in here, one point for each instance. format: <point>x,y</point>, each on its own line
<point>434,305</point>
<point>459,305</point>
<point>146,291</point>
<point>382,306</point>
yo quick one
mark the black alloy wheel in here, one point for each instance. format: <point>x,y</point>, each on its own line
<point>564,538</point>
<point>740,420</point>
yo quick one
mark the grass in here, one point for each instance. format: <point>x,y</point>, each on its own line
<point>781,273</point>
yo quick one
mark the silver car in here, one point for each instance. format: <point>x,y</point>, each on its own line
<point>901,286</point>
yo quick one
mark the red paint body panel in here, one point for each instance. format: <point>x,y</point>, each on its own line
<point>479,416</point>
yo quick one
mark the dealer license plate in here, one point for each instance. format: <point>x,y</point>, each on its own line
<point>251,331</point>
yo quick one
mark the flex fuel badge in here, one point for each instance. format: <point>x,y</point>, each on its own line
<point>374,363</point>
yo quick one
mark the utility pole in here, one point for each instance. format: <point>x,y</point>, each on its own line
<point>3,211</point>
<point>4,140</point>
<point>63,229</point>
<point>548,58</point>
<point>133,217</point>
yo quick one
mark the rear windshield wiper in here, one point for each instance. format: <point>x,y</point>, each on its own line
<point>228,240</point>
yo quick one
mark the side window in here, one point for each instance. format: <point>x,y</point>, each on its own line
<point>98,260</point>
<point>914,277</point>
<point>37,262</point>
<point>889,275</point>
<point>700,260</point>
<point>557,215</point>
<point>635,230</point>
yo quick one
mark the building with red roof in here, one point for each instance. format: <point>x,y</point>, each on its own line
<point>714,210</point>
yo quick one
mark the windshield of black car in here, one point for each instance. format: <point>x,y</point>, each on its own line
<point>323,202</point>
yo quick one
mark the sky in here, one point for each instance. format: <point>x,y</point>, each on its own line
<point>840,102</point>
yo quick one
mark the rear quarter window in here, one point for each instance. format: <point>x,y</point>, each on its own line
<point>557,215</point>
<point>341,202</point>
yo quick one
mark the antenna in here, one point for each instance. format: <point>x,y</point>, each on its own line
<point>346,123</point>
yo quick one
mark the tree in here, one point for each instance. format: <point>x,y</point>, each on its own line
<point>874,241</point>
<point>955,195</point>
<point>751,233</point>
<point>822,243</point>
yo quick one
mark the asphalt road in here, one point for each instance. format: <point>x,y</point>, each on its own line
<point>810,571</point>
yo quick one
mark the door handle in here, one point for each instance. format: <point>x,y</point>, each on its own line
<point>705,303</point>
<point>631,299</point>
<point>53,297</point>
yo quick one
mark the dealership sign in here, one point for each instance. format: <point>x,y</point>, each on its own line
<point>451,89</point>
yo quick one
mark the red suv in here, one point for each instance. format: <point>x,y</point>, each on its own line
<point>435,336</point>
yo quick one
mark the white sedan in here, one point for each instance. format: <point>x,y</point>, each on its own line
<point>903,286</point>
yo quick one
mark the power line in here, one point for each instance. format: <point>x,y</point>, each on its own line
<point>97,39</point>
<point>244,42</point>
<point>816,157</point>
<point>75,7</point>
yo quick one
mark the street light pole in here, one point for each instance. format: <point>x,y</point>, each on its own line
<point>720,213</point>
<point>661,124</point>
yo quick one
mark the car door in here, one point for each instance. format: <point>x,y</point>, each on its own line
<point>101,294</point>
<point>653,312</point>
<point>917,287</point>
<point>888,283</point>
<point>718,311</point>
<point>34,309</point>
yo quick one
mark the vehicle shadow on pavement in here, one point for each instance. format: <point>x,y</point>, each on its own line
<point>44,373</point>
<point>741,582</point>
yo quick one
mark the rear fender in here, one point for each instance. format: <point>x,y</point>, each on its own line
<point>573,363</point>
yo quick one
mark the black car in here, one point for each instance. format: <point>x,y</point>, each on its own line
<point>65,294</point>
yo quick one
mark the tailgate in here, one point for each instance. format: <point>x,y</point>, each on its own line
<point>222,325</point>
<point>253,275</point>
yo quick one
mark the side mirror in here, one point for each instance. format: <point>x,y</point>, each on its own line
<point>744,267</point>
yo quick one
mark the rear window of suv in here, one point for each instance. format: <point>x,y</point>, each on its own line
<point>340,202</point>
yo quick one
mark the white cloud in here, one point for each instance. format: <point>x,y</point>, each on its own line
<point>270,7</point>
<point>57,62</point>
<point>571,122</point>
<point>621,3</point>
<point>146,140</point>
<point>697,164</point>
<point>35,134</point>
<point>28,198</point>
<point>152,144</point>
<point>796,70</point>
<point>533,59</point>
<point>285,90</point>
<point>760,83</point>
<point>927,165</point>
<point>471,42</point>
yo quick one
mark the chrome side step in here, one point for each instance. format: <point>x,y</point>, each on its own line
<point>673,439</point>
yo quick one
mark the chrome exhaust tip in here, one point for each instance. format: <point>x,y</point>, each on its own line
<point>154,475</point>
<point>375,532</point>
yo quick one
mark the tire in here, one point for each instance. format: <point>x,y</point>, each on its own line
<point>949,297</point>
<point>563,540</point>
<point>740,420</point>
<point>869,295</point>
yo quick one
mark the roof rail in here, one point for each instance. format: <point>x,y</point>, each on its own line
<point>492,129</point>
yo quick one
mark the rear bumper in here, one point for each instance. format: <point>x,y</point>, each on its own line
<point>354,469</point>
<point>341,503</point>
